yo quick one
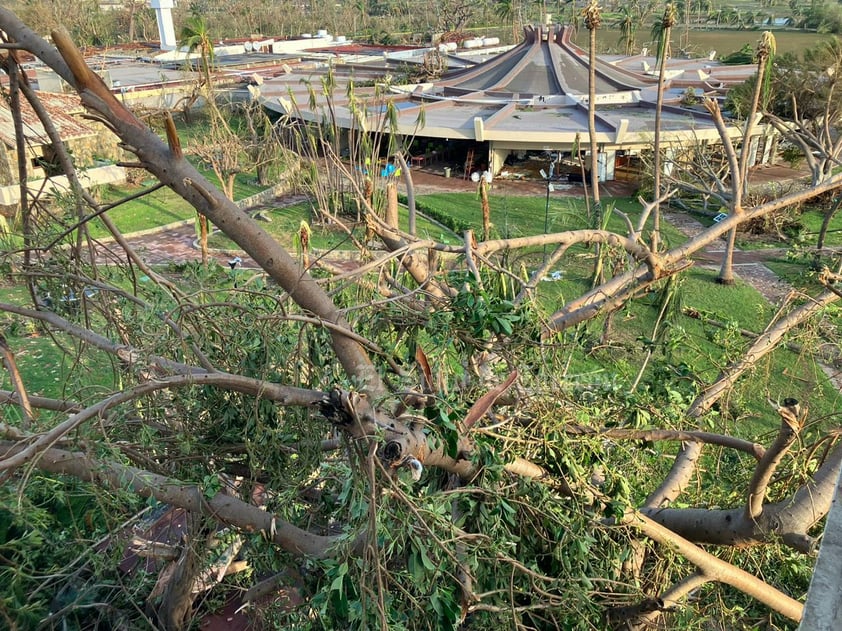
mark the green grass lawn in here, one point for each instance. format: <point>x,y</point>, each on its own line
<point>804,232</point>
<point>521,216</point>
<point>812,219</point>
<point>44,367</point>
<point>703,348</point>
<point>283,223</point>
<point>160,207</point>
<point>795,270</point>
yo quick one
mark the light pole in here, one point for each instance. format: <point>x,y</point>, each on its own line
<point>550,188</point>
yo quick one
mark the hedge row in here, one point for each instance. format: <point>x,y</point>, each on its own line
<point>456,225</point>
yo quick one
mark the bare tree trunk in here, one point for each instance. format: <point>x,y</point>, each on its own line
<point>228,186</point>
<point>726,271</point>
<point>828,217</point>
<point>410,193</point>
<point>679,476</point>
<point>594,146</point>
<point>391,217</point>
<point>791,423</point>
<point>203,238</point>
<point>132,9</point>
<point>656,169</point>
<point>17,383</point>
<point>486,210</point>
<point>184,179</point>
<point>177,597</point>
<point>15,87</point>
<point>788,520</point>
<point>739,180</point>
<point>592,22</point>
<point>666,26</point>
<point>717,569</point>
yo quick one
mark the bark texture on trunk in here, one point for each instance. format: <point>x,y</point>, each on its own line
<point>789,520</point>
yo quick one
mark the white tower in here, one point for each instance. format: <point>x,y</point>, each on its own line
<point>166,31</point>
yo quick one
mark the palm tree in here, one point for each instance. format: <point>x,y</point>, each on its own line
<point>574,18</point>
<point>195,36</point>
<point>132,7</point>
<point>592,17</point>
<point>717,16</point>
<point>702,9</point>
<point>360,11</point>
<point>664,28</point>
<point>509,11</point>
<point>764,55</point>
<point>627,23</point>
<point>734,16</point>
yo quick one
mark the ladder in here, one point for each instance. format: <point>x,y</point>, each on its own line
<point>469,163</point>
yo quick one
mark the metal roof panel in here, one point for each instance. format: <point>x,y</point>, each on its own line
<point>60,108</point>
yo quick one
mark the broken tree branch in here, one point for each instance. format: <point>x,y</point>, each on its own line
<point>716,569</point>
<point>668,601</point>
<point>17,383</point>
<point>762,346</point>
<point>222,506</point>
<point>788,520</point>
<point>791,423</point>
<point>275,392</point>
<point>756,450</point>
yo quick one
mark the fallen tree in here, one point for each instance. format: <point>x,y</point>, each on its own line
<point>402,494</point>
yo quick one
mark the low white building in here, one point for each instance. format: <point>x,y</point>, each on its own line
<point>533,97</point>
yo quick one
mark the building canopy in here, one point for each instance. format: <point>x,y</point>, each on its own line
<point>533,96</point>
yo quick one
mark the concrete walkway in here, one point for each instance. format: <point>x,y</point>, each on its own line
<point>748,264</point>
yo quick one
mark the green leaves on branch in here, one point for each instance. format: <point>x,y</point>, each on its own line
<point>484,314</point>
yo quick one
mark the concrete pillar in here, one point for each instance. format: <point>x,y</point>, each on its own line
<point>610,160</point>
<point>767,149</point>
<point>667,164</point>
<point>496,158</point>
<point>775,140</point>
<point>166,30</point>
<point>752,151</point>
<point>823,609</point>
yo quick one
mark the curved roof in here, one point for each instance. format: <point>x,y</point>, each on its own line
<point>534,95</point>
<point>546,63</point>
